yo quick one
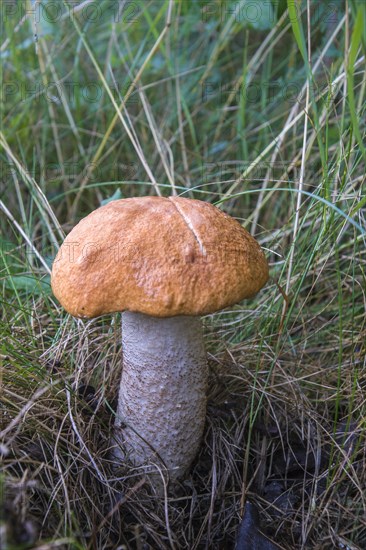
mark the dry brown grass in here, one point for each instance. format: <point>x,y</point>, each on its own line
<point>268,439</point>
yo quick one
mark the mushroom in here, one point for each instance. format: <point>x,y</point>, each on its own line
<point>163,262</point>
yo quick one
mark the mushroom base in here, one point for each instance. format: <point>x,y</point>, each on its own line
<point>162,399</point>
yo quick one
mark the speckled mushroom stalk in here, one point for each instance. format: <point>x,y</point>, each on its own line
<point>162,398</point>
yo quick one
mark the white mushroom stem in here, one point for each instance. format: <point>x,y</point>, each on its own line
<point>162,399</point>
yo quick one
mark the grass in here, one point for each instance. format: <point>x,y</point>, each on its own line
<point>260,111</point>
